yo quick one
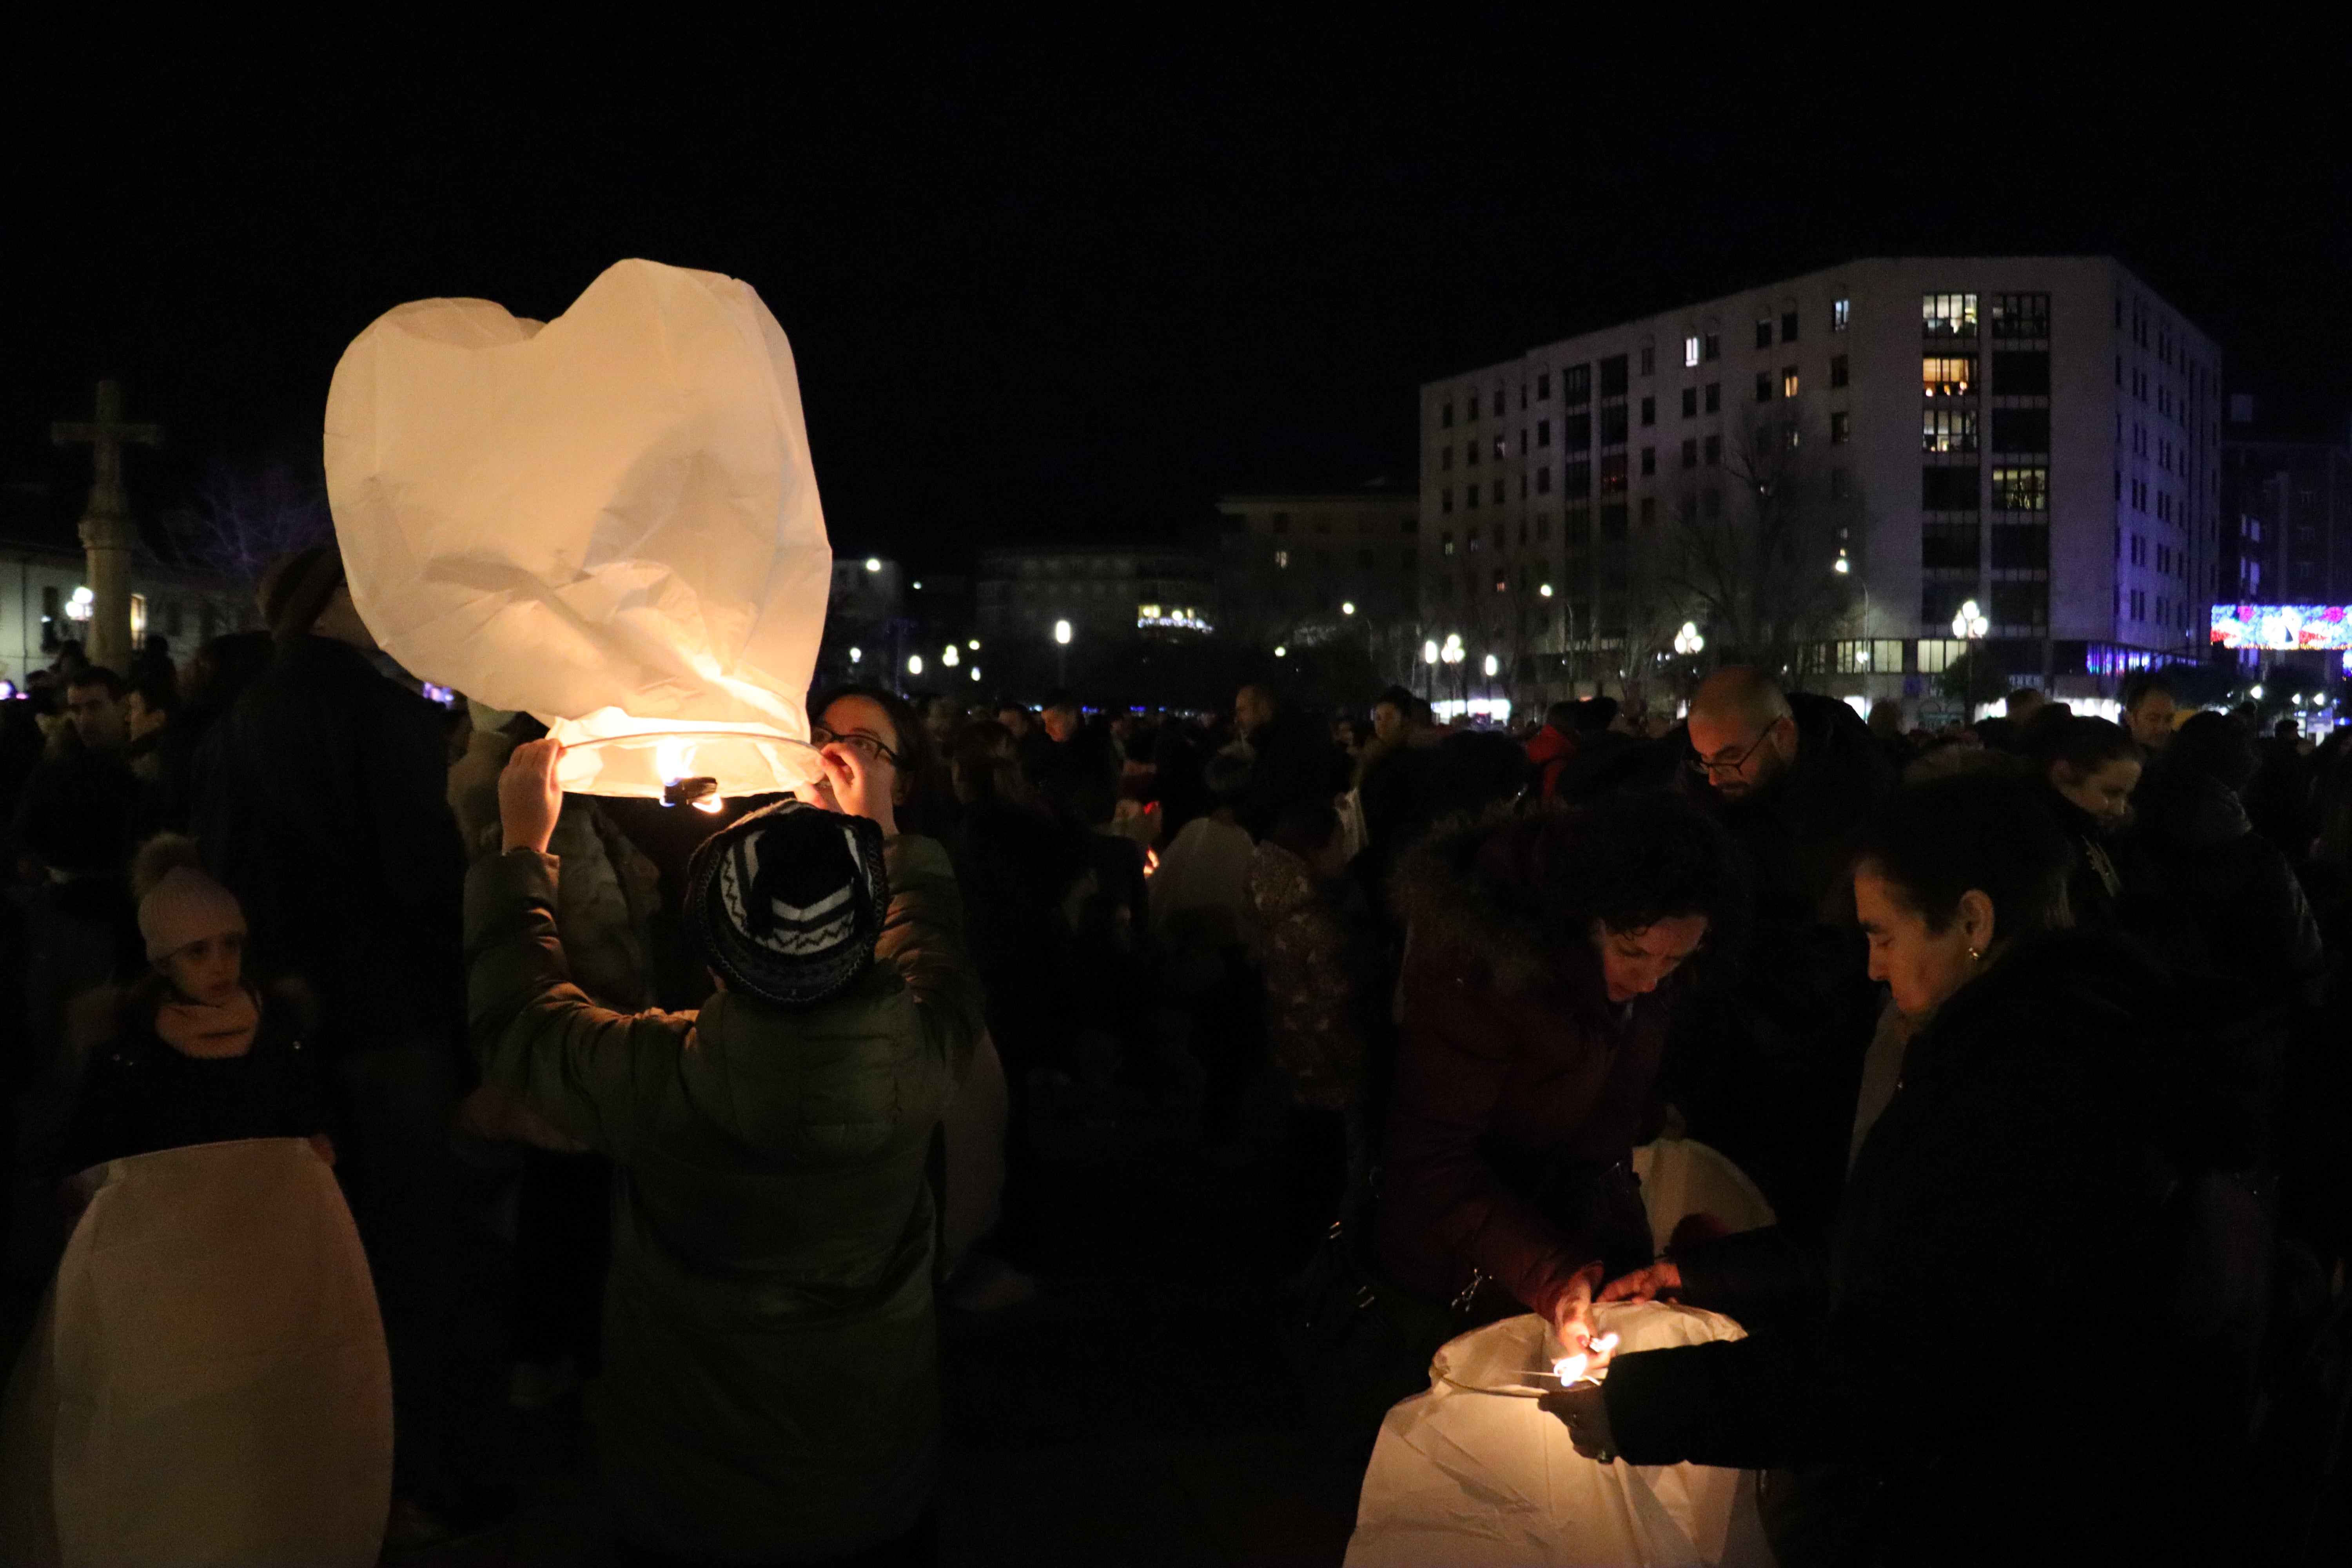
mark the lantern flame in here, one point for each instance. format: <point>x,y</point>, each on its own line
<point>1573,1368</point>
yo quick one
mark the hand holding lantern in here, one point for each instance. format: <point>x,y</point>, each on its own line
<point>530,800</point>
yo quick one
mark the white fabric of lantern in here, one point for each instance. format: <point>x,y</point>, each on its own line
<point>610,522</point>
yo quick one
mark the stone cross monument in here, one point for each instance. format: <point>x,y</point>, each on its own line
<point>106,531</point>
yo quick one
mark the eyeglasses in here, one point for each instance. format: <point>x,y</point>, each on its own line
<point>859,740</point>
<point>1727,764</point>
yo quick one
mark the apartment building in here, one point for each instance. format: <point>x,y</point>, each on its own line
<point>1825,470</point>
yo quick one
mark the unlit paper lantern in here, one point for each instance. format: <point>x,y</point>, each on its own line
<point>609,522</point>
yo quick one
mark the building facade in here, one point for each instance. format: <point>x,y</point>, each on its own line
<point>1300,567</point>
<point>2287,522</point>
<point>1102,590</point>
<point>39,609</point>
<point>1821,472</point>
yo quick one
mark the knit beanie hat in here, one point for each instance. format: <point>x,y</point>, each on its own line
<point>295,590</point>
<point>787,903</point>
<point>178,901</point>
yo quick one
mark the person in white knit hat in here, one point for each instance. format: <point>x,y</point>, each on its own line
<point>199,1054</point>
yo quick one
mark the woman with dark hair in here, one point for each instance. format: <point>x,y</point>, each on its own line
<point>1539,956</point>
<point>883,728</point>
<point>2085,770</point>
<point>1909,1363</point>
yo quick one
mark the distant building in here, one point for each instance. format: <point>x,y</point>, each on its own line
<point>43,569</point>
<point>1824,469</point>
<point>1295,566</point>
<point>2286,519</point>
<point>1102,590</point>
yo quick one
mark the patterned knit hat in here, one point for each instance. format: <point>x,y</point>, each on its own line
<point>787,903</point>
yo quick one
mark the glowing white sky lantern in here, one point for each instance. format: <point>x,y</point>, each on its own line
<point>610,522</point>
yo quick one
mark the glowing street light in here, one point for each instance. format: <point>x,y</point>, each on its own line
<point>1545,590</point>
<point>2255,692</point>
<point>1971,622</point>
<point>856,654</point>
<point>1062,633</point>
<point>975,673</point>
<point>1429,653</point>
<point>1348,607</point>
<point>1492,666</point>
<point>1452,652</point>
<point>973,644</point>
<point>1689,641</point>
<point>948,655</point>
<point>914,664</point>
<point>1842,566</point>
<point>1280,651</point>
<point>873,563</point>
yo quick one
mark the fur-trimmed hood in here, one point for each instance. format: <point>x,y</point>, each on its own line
<point>1464,888</point>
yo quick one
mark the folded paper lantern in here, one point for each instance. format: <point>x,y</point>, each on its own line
<point>609,522</point>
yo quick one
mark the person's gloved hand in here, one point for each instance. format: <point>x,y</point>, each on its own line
<point>1584,1410</point>
<point>530,800</point>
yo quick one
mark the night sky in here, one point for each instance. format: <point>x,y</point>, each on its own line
<point>1071,280</point>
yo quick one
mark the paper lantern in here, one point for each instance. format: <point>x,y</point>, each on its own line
<point>609,522</point>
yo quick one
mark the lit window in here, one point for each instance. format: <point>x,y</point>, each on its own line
<point>1281,559</point>
<point>1690,349</point>
<point>1789,381</point>
<point>1948,315</point>
<point>1948,376</point>
<point>1445,543</point>
<point>2021,489</point>
<point>1947,430</point>
<point>1840,312</point>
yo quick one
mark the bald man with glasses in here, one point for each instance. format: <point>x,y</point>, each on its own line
<point>1768,1068</point>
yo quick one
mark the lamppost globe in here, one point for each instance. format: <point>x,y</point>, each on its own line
<point>914,664</point>
<point>1280,651</point>
<point>1348,608</point>
<point>1971,622</point>
<point>1492,666</point>
<point>1429,653</point>
<point>873,563</point>
<point>1062,633</point>
<point>949,656</point>
<point>856,654</point>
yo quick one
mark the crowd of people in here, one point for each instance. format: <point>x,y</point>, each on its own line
<point>2026,1029</point>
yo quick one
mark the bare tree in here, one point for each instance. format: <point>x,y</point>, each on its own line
<point>246,513</point>
<point>1759,571</point>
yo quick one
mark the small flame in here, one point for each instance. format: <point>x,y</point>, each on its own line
<point>1150,861</point>
<point>1569,1368</point>
<point>1604,1345</point>
<point>673,758</point>
<point>711,803</point>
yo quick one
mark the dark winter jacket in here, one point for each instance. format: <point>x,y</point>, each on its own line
<point>79,808</point>
<point>2237,898</point>
<point>139,1095</point>
<point>322,807</point>
<point>1983,1336</point>
<point>1766,1065</point>
<point>1520,1092</point>
<point>770,1353</point>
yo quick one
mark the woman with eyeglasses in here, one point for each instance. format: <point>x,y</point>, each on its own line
<point>881,728</point>
<point>1993,1357</point>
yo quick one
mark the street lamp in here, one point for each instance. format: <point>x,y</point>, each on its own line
<point>948,655</point>
<point>1689,641</point>
<point>1970,625</point>
<point>1280,651</point>
<point>873,564</point>
<point>1348,607</point>
<point>856,654</point>
<point>914,664</point>
<point>1493,665</point>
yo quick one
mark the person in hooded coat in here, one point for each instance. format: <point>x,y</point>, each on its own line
<point>770,1356</point>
